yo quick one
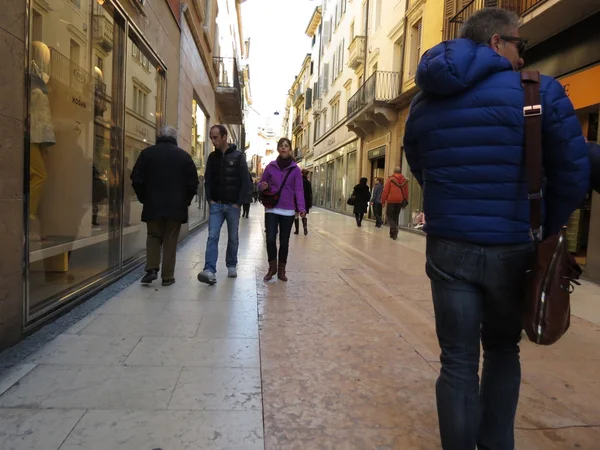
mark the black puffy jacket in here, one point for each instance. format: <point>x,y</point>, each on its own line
<point>226,179</point>
<point>165,181</point>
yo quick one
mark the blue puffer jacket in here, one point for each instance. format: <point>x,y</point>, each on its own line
<point>464,144</point>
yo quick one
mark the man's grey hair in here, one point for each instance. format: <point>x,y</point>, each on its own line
<point>167,132</point>
<point>397,169</point>
<point>486,22</point>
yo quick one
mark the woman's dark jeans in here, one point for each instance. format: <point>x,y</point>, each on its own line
<point>478,294</point>
<point>283,224</point>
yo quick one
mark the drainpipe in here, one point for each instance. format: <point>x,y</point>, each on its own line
<point>402,61</point>
<point>365,72</point>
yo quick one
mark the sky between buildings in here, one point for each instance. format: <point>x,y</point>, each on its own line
<point>278,46</point>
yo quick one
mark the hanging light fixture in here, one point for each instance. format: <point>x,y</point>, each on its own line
<point>100,2</point>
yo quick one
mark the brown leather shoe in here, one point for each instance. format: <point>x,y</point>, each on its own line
<point>281,272</point>
<point>272,270</point>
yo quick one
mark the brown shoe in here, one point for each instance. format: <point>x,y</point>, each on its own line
<point>272,270</point>
<point>281,272</point>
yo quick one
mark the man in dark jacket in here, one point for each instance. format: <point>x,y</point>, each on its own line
<point>464,143</point>
<point>165,181</point>
<point>227,184</point>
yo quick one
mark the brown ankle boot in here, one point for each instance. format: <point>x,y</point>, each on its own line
<point>272,270</point>
<point>281,272</point>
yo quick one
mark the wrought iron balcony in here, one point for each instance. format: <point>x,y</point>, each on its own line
<point>297,124</point>
<point>380,87</point>
<point>229,91</point>
<point>369,107</point>
<point>298,95</point>
<point>452,27</point>
<point>356,52</point>
<point>102,32</point>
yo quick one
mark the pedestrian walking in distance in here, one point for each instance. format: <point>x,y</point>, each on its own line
<point>165,181</point>
<point>376,202</point>
<point>282,194</point>
<point>395,198</point>
<point>464,142</point>
<point>227,186</point>
<point>361,195</point>
<point>249,198</point>
<point>307,202</point>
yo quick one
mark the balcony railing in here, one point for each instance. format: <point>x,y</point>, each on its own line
<point>102,31</point>
<point>227,72</point>
<point>379,87</point>
<point>298,94</point>
<point>65,71</point>
<point>356,52</point>
<point>297,122</point>
<point>520,7</point>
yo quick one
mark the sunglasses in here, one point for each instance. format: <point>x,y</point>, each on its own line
<point>520,43</point>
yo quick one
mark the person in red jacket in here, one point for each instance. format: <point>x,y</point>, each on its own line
<point>395,196</point>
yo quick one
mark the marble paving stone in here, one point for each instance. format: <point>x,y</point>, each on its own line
<point>318,327</point>
<point>327,311</point>
<point>168,430</point>
<point>561,439</point>
<point>195,352</point>
<point>99,387</point>
<point>211,307</point>
<point>165,324</point>
<point>365,395</point>
<point>408,438</point>
<point>152,306</point>
<point>13,375</point>
<point>219,292</point>
<point>344,349</point>
<point>26,429</point>
<point>538,410</point>
<point>233,326</point>
<point>218,388</point>
<point>68,349</point>
<point>81,324</point>
<point>576,385</point>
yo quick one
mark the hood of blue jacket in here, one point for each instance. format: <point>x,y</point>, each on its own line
<point>454,66</point>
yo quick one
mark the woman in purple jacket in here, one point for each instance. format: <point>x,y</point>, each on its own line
<point>281,216</point>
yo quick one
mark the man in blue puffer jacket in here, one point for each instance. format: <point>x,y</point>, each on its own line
<point>464,143</point>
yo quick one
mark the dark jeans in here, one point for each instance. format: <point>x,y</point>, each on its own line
<point>378,212</point>
<point>162,233</point>
<point>273,223</point>
<point>477,295</point>
<point>393,215</point>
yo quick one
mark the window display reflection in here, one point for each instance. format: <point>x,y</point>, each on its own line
<point>73,138</point>
<point>199,149</point>
<point>142,118</point>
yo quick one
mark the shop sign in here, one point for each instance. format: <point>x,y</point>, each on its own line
<point>583,88</point>
<point>379,152</point>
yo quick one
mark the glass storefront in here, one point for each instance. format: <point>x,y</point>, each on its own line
<point>338,194</point>
<point>328,184</point>
<point>352,175</point>
<point>96,99</point>
<point>198,209</point>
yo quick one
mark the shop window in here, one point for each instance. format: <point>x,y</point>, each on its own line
<point>37,22</point>
<point>143,115</point>
<point>352,177</point>
<point>199,149</point>
<point>140,100</point>
<point>75,140</point>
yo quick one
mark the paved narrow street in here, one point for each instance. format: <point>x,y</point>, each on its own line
<point>343,356</point>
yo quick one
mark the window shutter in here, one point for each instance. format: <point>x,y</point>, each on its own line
<point>343,51</point>
<point>449,9</point>
<point>326,78</point>
<point>326,31</point>
<point>419,38</point>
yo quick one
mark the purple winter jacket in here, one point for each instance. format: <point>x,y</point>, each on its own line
<point>292,195</point>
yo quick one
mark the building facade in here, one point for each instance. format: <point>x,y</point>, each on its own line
<point>90,81</point>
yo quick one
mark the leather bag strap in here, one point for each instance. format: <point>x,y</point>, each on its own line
<point>532,112</point>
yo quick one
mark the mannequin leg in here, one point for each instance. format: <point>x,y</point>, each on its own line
<point>37,178</point>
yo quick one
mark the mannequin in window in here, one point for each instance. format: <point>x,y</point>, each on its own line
<point>41,127</point>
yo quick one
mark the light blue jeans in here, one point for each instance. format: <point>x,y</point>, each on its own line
<point>220,213</point>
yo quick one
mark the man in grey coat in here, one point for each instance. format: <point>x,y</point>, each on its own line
<point>376,202</point>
